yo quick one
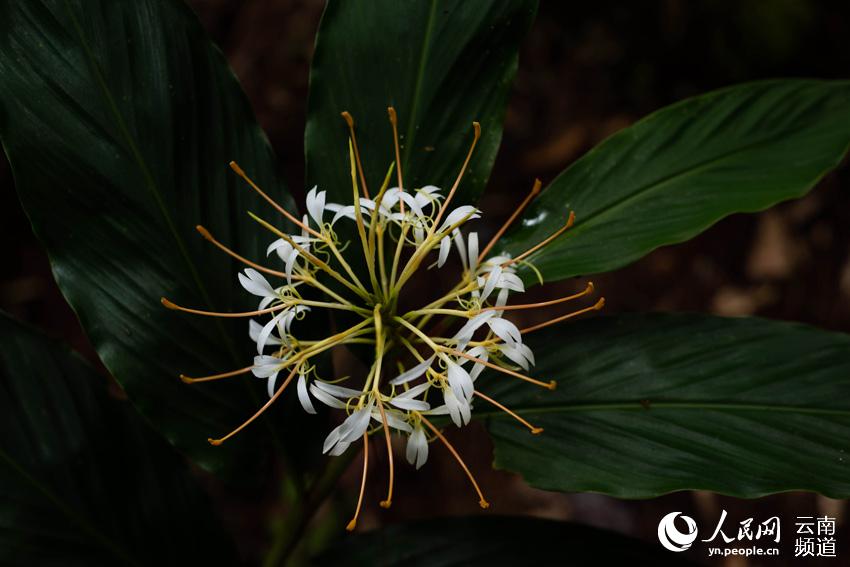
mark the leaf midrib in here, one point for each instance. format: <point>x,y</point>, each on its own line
<point>638,406</point>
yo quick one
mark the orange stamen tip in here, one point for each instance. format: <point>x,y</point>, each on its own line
<point>571,219</point>
<point>351,525</point>
<point>214,442</point>
<point>167,303</point>
<point>477,127</point>
<point>392,114</point>
<point>484,504</point>
<point>386,503</point>
<point>590,287</point>
<point>537,431</point>
<point>185,379</point>
<point>348,118</point>
<point>204,232</point>
<point>537,186</point>
<point>552,385</point>
<point>599,304</point>
<point>235,167</point>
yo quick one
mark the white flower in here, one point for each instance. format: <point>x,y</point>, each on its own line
<point>406,400</point>
<point>417,447</point>
<point>505,330</point>
<point>267,367</point>
<point>459,381</point>
<point>458,408</point>
<point>518,353</point>
<point>467,212</point>
<point>464,335</point>
<point>413,373</point>
<point>316,205</point>
<point>254,329</point>
<point>254,282</point>
<point>350,430</point>
<point>303,396</point>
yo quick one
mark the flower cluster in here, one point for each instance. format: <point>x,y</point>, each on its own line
<point>419,370</point>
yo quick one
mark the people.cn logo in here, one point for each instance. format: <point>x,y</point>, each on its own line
<point>670,536</point>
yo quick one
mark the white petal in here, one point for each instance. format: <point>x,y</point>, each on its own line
<point>511,282</point>
<point>417,448</point>
<point>472,243</point>
<point>460,381</point>
<point>410,404</point>
<point>270,384</point>
<point>266,331</point>
<point>461,247</point>
<point>445,247</point>
<point>303,396</point>
<point>254,282</point>
<point>464,335</point>
<point>392,420</point>
<point>265,366</point>
<point>355,425</point>
<point>326,398</point>
<point>492,280</point>
<point>505,330</point>
<point>459,214</point>
<point>338,391</point>
<point>413,373</point>
<point>415,391</point>
<point>316,205</point>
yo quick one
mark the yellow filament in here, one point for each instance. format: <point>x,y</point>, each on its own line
<point>266,406</point>
<point>388,502</point>
<point>534,191</point>
<point>596,307</point>
<point>551,385</point>
<point>481,500</point>
<point>534,430</point>
<point>235,167</point>
<point>540,245</point>
<point>353,523</point>
<point>587,291</point>
<point>394,122</point>
<point>206,234</point>
<point>350,121</point>
<point>174,306</point>
<point>477,134</point>
<point>189,380</point>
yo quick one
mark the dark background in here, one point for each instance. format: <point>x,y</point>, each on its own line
<point>586,70</point>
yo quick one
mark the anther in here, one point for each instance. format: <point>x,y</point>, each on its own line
<point>534,191</point>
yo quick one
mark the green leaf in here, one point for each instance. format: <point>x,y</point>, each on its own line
<point>442,64</point>
<point>649,404</point>
<point>681,169</point>
<point>492,541</point>
<point>83,481</point>
<point>119,119</point>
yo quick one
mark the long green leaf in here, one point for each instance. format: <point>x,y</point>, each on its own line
<point>119,119</point>
<point>681,169</point>
<point>649,404</point>
<point>83,481</point>
<point>493,541</point>
<point>442,64</point>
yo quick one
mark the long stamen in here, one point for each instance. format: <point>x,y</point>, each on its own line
<point>477,129</point>
<point>350,121</point>
<point>172,305</point>
<point>587,291</point>
<point>210,378</point>
<point>534,191</point>
<point>206,234</point>
<point>358,217</point>
<point>394,122</point>
<point>353,523</point>
<point>389,500</point>
<point>540,245</point>
<point>266,406</point>
<point>235,167</point>
<point>551,385</point>
<point>596,307</point>
<point>482,501</point>
<point>534,430</point>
